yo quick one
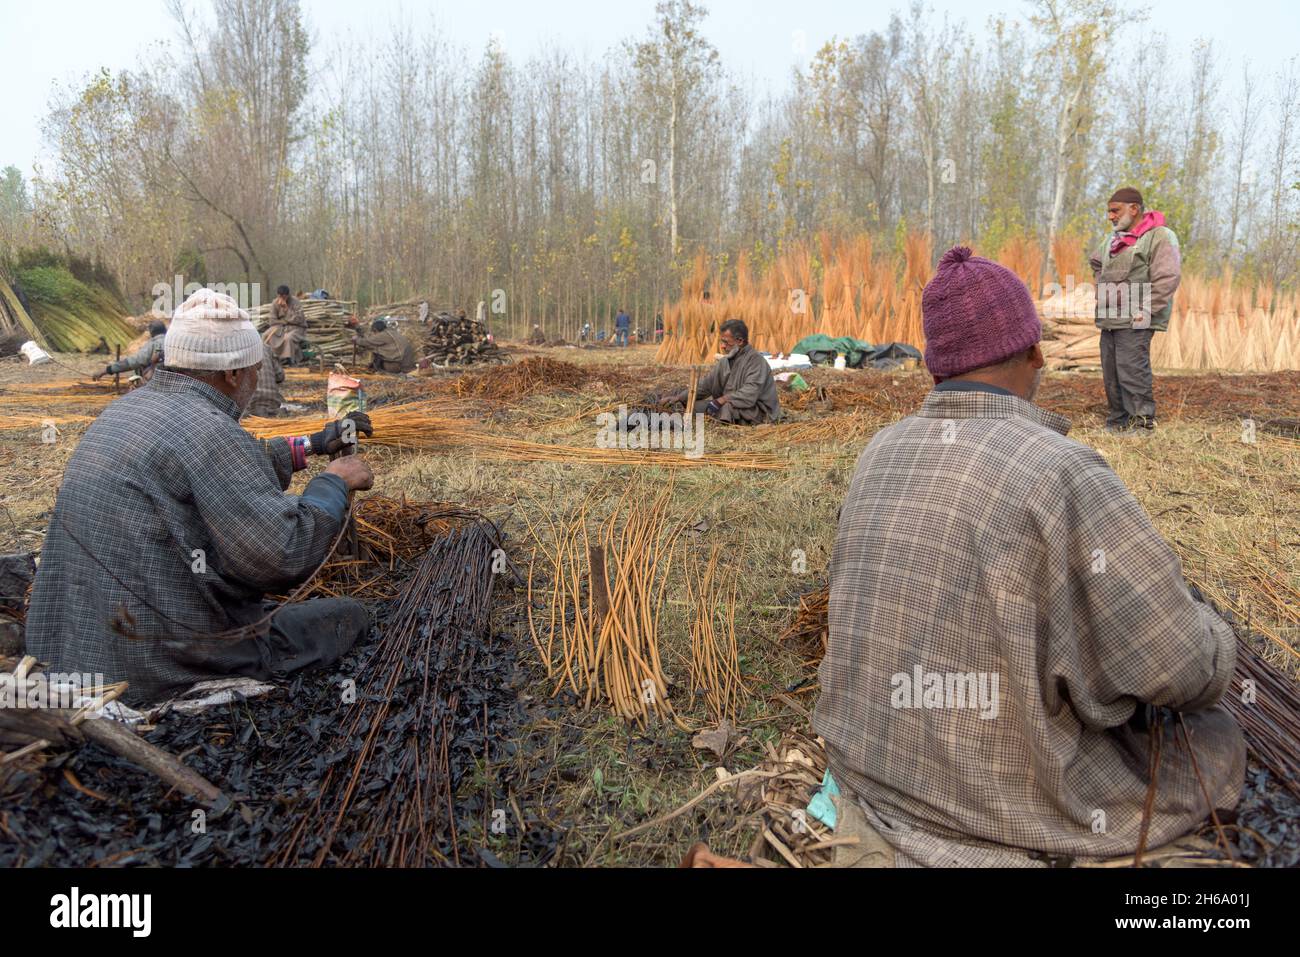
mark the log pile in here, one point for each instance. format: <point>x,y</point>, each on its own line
<point>327,326</point>
<point>413,310</point>
<point>459,341</point>
<point>1070,335</point>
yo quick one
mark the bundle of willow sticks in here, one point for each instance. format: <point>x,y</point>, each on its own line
<point>420,425</point>
<point>417,702</point>
<point>392,534</point>
<point>1268,710</point>
<point>715,659</point>
<point>600,635</point>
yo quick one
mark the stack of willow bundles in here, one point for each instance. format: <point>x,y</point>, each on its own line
<point>1070,335</point>
<point>327,330</point>
<point>455,341</point>
<point>15,323</point>
<point>66,314</point>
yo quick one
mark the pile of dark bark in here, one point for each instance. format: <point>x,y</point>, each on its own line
<point>268,755</point>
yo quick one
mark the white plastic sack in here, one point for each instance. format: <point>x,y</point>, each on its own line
<point>35,354</point>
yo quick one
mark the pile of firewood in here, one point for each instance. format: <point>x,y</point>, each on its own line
<point>452,340</point>
<point>413,310</point>
<point>327,331</point>
<point>1070,335</point>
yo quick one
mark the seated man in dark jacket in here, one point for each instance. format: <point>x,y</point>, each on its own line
<point>172,523</point>
<point>740,388</point>
<point>389,349</point>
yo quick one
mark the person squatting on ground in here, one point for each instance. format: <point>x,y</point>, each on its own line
<point>389,349</point>
<point>740,388</point>
<point>144,360</point>
<point>287,329</point>
<point>982,553</point>
<point>172,524</point>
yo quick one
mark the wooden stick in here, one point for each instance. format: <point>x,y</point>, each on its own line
<point>751,773</point>
<point>122,741</point>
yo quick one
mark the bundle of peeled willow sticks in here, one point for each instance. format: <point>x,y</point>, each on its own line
<point>391,802</point>
<point>391,534</point>
<point>22,419</point>
<point>419,425</point>
<point>601,631</point>
<point>715,660</point>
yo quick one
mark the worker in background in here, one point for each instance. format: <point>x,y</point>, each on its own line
<point>143,360</point>
<point>622,326</point>
<point>1006,625</point>
<point>739,389</point>
<point>389,350</point>
<point>172,523</point>
<point>267,401</point>
<point>287,328</point>
<point>1136,272</point>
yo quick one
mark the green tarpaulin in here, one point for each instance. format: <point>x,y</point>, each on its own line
<point>821,349</point>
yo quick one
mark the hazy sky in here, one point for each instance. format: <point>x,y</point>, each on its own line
<point>64,40</point>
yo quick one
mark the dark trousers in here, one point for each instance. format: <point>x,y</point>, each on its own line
<point>309,634</point>
<point>1126,370</point>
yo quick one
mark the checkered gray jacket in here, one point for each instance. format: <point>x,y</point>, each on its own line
<point>978,542</point>
<point>170,525</point>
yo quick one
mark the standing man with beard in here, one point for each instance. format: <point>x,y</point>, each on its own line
<point>1136,271</point>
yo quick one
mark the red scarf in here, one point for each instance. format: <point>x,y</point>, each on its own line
<point>1144,225</point>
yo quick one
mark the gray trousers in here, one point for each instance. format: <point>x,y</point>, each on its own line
<point>1126,370</point>
<point>309,634</point>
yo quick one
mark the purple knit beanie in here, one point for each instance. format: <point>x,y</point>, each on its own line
<point>976,313</point>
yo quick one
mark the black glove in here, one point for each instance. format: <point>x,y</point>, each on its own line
<point>330,439</point>
<point>713,408</point>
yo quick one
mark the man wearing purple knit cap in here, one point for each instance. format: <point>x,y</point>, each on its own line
<point>1007,627</point>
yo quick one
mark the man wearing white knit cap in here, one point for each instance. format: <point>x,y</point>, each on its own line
<point>172,523</point>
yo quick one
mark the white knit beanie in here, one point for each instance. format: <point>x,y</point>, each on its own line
<point>211,333</point>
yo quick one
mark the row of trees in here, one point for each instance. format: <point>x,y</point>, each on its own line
<point>400,166</point>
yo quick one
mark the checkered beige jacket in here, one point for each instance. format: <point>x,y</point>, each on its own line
<point>976,539</point>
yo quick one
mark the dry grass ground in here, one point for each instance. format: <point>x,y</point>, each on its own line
<point>1228,507</point>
